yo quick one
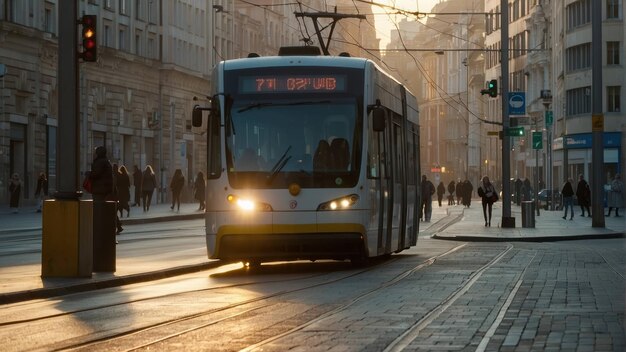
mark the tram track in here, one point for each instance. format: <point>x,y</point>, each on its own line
<point>216,315</point>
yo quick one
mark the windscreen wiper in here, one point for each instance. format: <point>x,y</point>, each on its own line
<point>279,165</point>
<point>254,106</point>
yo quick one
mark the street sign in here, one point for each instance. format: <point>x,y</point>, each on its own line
<point>597,122</point>
<point>493,133</point>
<point>517,103</point>
<point>549,118</point>
<point>514,131</point>
<point>537,140</point>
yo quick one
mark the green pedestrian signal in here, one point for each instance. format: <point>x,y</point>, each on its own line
<point>515,131</point>
<point>492,88</point>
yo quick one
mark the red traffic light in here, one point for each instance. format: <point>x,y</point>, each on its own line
<point>89,36</point>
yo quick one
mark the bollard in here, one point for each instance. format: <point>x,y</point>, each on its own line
<point>528,214</point>
<point>104,232</point>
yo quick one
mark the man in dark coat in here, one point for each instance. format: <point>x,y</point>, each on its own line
<point>583,194</point>
<point>468,188</point>
<point>137,176</point>
<point>427,191</point>
<point>102,181</point>
<point>101,175</point>
<point>441,190</point>
<point>451,190</point>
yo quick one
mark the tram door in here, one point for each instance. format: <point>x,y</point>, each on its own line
<point>393,182</point>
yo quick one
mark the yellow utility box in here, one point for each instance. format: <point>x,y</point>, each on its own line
<point>67,243</point>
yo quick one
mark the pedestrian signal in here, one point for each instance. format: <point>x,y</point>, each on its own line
<point>492,88</point>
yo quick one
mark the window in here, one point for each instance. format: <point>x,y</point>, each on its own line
<point>108,4</point>
<point>107,35</point>
<point>124,7</point>
<point>123,40</point>
<point>48,18</point>
<point>612,53</point>
<point>138,44</point>
<point>578,57</point>
<point>578,14</point>
<point>613,94</point>
<point>612,9</point>
<point>578,101</point>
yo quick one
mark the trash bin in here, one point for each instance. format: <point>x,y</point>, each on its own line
<point>528,214</point>
<point>104,231</point>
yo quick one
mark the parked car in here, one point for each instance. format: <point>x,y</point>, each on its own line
<point>545,197</point>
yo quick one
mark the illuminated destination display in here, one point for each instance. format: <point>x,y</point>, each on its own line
<point>283,84</point>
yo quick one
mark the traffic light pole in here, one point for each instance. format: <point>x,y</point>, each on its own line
<point>507,220</point>
<point>68,142</point>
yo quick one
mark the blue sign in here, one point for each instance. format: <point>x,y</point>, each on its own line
<point>517,103</point>
<point>585,140</point>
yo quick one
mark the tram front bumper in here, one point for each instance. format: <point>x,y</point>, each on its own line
<point>277,242</point>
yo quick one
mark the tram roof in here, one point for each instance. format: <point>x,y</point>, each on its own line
<point>277,61</point>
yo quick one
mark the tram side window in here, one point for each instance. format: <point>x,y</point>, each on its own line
<point>398,162</point>
<point>374,159</point>
<point>410,147</point>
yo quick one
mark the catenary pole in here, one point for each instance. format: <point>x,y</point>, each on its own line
<point>597,151</point>
<point>507,220</point>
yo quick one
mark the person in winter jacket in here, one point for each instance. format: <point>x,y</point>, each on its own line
<point>488,194</point>
<point>568,198</point>
<point>427,191</point>
<point>176,185</point>
<point>148,184</point>
<point>615,197</point>
<point>583,194</point>
<point>41,191</point>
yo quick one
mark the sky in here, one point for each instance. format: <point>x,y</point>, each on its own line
<point>384,24</point>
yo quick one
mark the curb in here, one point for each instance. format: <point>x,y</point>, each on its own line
<point>165,218</point>
<point>530,239</point>
<point>41,293</point>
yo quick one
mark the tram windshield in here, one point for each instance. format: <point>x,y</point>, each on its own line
<point>311,141</point>
<point>289,125</point>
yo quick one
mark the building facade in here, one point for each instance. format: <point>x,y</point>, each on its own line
<point>154,64</point>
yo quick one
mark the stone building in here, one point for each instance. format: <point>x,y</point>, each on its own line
<point>154,64</point>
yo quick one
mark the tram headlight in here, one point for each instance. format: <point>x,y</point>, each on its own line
<point>339,203</point>
<point>246,204</point>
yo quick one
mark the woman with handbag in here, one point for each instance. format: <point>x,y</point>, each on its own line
<point>488,194</point>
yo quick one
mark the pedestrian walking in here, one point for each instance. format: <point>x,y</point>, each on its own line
<point>200,188</point>
<point>583,194</point>
<point>148,184</point>
<point>459,191</point>
<point>441,190</point>
<point>615,197</point>
<point>101,176</point>
<point>468,188</point>
<point>568,198</point>
<point>15,190</point>
<point>137,183</point>
<point>41,191</point>
<point>451,189</point>
<point>123,191</point>
<point>489,195</point>
<point>176,185</point>
<point>427,191</point>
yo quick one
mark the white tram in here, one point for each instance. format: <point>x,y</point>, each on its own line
<point>309,157</point>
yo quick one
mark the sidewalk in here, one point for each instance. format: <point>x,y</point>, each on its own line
<point>23,282</point>
<point>549,226</point>
<point>28,219</point>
